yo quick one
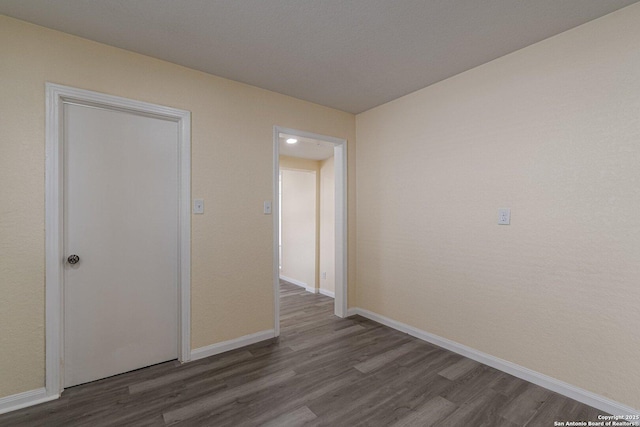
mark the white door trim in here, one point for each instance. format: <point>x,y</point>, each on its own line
<point>56,97</point>
<point>340,158</point>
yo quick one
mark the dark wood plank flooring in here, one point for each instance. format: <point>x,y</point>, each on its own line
<point>321,371</point>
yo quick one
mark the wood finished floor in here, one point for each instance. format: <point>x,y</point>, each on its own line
<point>322,371</point>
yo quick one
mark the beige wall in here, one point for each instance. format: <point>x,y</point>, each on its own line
<point>327,225</point>
<point>232,156</point>
<point>552,132</point>
<point>299,226</point>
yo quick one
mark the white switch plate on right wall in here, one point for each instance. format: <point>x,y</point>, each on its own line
<point>504,216</point>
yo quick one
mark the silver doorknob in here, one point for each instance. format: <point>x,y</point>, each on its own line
<point>73,259</point>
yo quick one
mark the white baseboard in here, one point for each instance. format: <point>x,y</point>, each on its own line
<point>584,396</point>
<point>327,293</point>
<point>222,347</point>
<point>24,399</point>
<point>299,283</point>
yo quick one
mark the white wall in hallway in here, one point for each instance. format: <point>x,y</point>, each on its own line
<point>298,214</point>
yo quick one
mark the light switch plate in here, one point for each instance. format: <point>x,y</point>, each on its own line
<point>504,216</point>
<point>267,207</point>
<point>198,206</point>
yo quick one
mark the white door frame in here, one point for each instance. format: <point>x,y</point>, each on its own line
<point>56,97</point>
<point>340,158</point>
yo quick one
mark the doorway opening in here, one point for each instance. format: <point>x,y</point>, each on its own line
<point>310,236</point>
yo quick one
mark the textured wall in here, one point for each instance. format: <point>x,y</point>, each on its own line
<point>552,132</point>
<point>232,156</point>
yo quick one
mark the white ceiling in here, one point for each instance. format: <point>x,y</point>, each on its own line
<point>305,148</point>
<point>347,54</point>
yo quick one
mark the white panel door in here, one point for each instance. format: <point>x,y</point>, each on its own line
<point>121,220</point>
